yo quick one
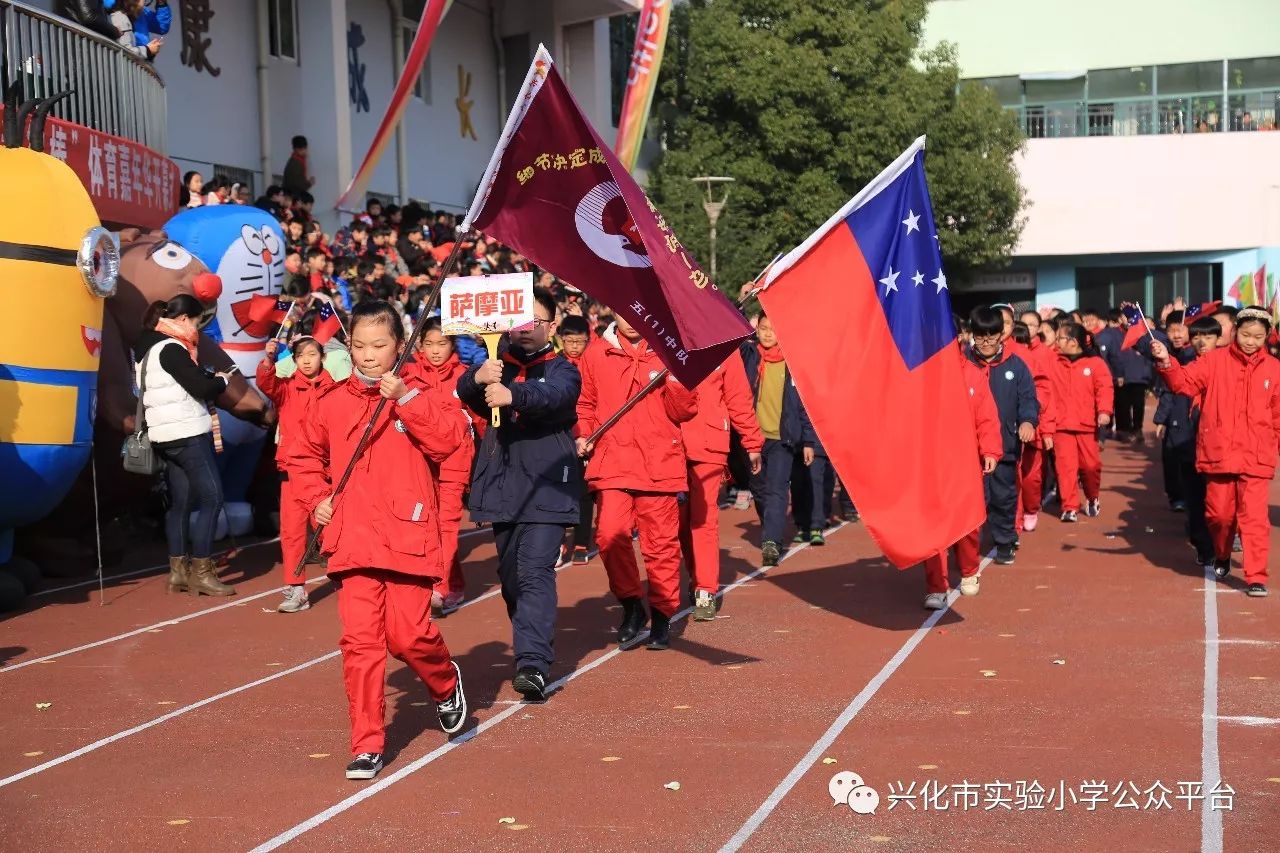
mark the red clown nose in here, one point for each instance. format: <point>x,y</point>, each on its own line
<point>207,287</point>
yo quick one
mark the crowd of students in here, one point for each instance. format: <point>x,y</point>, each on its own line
<point>1046,391</point>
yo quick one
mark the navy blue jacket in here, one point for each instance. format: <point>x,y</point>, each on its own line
<point>527,470</point>
<point>1108,342</point>
<point>1175,412</point>
<point>1014,390</point>
<point>795,430</point>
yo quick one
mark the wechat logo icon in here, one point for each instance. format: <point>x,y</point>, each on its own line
<point>848,789</point>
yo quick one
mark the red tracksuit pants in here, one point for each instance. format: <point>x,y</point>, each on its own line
<point>657,516</point>
<point>1076,457</point>
<point>450,524</point>
<point>384,611</point>
<point>967,560</point>
<point>1239,500</point>
<point>1032,476</point>
<point>295,528</point>
<point>700,525</point>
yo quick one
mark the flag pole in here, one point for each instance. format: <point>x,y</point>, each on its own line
<point>653,384</point>
<point>1143,317</point>
<point>419,328</point>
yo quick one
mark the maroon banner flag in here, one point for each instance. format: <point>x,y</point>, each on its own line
<point>556,194</point>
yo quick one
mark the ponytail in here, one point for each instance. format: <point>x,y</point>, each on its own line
<point>182,305</point>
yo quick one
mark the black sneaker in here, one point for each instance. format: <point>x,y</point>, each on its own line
<point>633,620</point>
<point>1222,568</point>
<point>1178,506</point>
<point>1069,517</point>
<point>1256,590</point>
<point>769,554</point>
<point>659,632</point>
<point>531,684</point>
<point>581,556</point>
<point>1004,555</point>
<point>1093,508</point>
<point>453,711</point>
<point>365,766</point>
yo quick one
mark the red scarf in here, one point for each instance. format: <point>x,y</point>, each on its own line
<point>523,367</point>
<point>772,355</point>
<point>637,353</point>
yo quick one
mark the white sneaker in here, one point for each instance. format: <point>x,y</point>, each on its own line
<point>295,600</point>
<point>935,601</point>
<point>969,586</point>
<point>742,501</point>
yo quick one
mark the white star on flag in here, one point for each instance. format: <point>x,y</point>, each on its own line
<point>912,221</point>
<point>890,281</point>
<point>918,278</point>
<point>941,281</point>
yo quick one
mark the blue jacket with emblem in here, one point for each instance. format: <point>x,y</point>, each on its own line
<point>796,430</point>
<point>527,469</point>
<point>1014,391</point>
<point>1176,412</point>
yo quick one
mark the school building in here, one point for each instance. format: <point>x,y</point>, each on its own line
<point>1152,162</point>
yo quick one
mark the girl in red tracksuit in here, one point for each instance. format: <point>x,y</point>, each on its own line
<point>440,368</point>
<point>1085,400</point>
<point>724,398</point>
<point>986,423</point>
<point>636,471</point>
<point>294,399</point>
<point>1238,439</point>
<point>1043,362</point>
<point>382,533</point>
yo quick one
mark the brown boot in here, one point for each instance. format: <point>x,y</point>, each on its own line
<point>204,580</point>
<point>179,568</point>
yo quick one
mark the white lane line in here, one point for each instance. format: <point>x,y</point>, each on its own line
<point>1251,721</point>
<point>445,748</point>
<point>177,620</point>
<point>1210,766</point>
<point>141,727</point>
<point>109,579</point>
<point>846,716</point>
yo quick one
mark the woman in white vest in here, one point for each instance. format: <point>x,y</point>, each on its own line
<point>176,396</point>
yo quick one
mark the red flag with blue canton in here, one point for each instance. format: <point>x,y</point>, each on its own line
<point>863,313</point>
<point>1137,325</point>
<point>1204,309</point>
<point>327,324</point>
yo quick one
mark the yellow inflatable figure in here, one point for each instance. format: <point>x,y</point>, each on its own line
<point>57,265</point>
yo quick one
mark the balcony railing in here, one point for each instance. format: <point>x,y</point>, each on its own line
<point>1202,113</point>
<point>113,90</point>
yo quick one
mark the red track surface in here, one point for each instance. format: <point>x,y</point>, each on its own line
<point>728,713</point>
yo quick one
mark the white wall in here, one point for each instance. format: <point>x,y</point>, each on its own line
<point>1140,194</point>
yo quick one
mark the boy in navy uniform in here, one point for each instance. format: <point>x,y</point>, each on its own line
<point>527,481</point>
<point>1014,391</point>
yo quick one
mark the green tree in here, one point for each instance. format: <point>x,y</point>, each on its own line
<point>803,102</point>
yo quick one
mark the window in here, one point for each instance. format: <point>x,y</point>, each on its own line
<point>1008,90</point>
<point>1111,83</point>
<point>1245,74</point>
<point>421,86</point>
<point>236,175</point>
<point>517,53</point>
<point>282,23</point>
<point>622,41</point>
<point>1190,77</point>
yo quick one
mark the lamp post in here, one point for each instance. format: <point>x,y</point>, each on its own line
<point>713,208</point>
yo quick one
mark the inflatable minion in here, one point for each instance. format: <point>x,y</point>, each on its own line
<point>57,265</point>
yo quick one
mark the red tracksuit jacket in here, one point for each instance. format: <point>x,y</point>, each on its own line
<point>443,382</point>
<point>643,451</point>
<point>386,517</point>
<point>1240,412</point>
<point>724,397</point>
<point>294,397</point>
<point>1083,390</point>
<point>1043,362</point>
<point>986,418</point>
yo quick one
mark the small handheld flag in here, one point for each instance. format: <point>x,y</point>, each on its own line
<point>327,324</point>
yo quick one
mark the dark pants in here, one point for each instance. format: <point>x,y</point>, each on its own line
<point>739,463</point>
<point>586,514</point>
<point>1174,487</point>
<point>192,477</point>
<point>1197,526</point>
<point>1049,476</point>
<point>527,555</point>
<point>1131,406</point>
<point>808,483</point>
<point>829,496</point>
<point>1001,488</point>
<point>771,487</point>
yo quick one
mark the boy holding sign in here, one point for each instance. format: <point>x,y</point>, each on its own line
<point>526,480</point>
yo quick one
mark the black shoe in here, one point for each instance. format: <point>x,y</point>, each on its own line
<point>1221,568</point>
<point>1017,543</point>
<point>453,711</point>
<point>531,684</point>
<point>769,554</point>
<point>1004,555</point>
<point>1069,516</point>
<point>660,632</point>
<point>633,619</point>
<point>1178,506</point>
<point>1256,590</point>
<point>365,766</point>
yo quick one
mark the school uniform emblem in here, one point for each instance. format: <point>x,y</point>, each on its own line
<point>400,427</point>
<point>1008,374</point>
<point>1088,371</point>
<point>653,374</point>
<point>1266,384</point>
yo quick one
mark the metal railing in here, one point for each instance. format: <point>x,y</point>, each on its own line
<point>1244,111</point>
<point>113,90</point>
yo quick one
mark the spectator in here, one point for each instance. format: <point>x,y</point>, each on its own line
<point>89,14</point>
<point>240,194</point>
<point>352,240</point>
<point>126,13</point>
<point>273,202</point>
<point>150,22</point>
<point>219,190</point>
<point>192,193</point>
<point>297,179</point>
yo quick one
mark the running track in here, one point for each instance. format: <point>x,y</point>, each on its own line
<point>1098,658</point>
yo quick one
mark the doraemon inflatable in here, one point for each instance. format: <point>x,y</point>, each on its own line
<point>245,247</point>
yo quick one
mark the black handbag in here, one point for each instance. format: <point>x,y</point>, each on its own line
<point>139,456</point>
